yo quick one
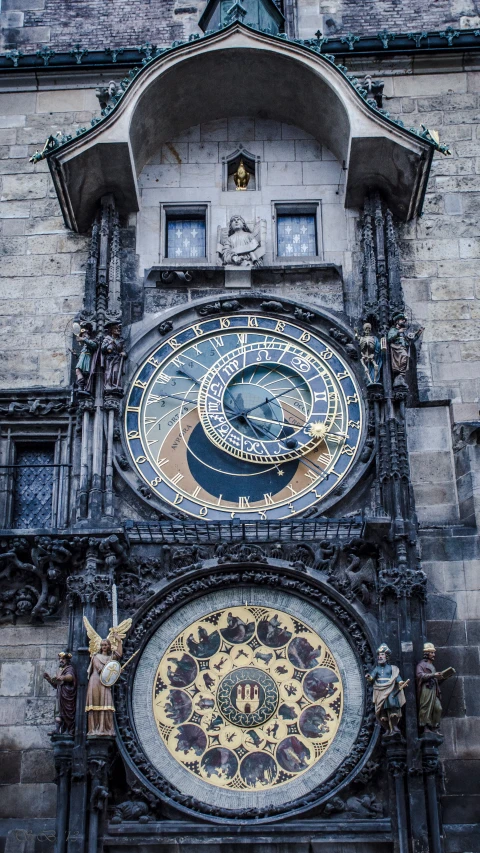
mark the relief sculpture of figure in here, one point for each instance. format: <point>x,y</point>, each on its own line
<point>99,702</point>
<point>84,367</point>
<point>388,695</point>
<point>370,354</point>
<point>240,245</point>
<point>65,683</point>
<point>428,689</point>
<point>400,341</point>
<point>113,356</point>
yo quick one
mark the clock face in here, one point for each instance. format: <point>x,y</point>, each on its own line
<point>248,698</point>
<point>245,417</point>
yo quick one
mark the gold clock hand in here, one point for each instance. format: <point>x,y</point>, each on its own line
<point>310,465</point>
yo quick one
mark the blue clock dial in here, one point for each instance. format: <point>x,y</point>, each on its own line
<point>243,416</point>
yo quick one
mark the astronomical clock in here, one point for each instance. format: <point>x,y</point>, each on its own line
<point>248,693</point>
<point>243,416</point>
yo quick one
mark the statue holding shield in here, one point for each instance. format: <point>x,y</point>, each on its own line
<point>103,672</point>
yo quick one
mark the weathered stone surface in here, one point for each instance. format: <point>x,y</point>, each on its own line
<point>16,679</point>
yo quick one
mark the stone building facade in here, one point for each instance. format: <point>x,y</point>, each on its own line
<point>101,185</point>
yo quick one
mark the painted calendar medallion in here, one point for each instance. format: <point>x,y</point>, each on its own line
<point>248,697</point>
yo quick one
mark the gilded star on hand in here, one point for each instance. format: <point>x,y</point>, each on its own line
<point>317,430</point>
<point>280,472</point>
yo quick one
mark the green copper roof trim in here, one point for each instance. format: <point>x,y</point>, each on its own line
<point>151,55</point>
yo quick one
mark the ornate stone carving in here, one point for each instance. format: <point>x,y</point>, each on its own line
<point>244,552</point>
<point>34,406</point>
<point>32,576</point>
<point>108,95</point>
<point>240,244</point>
<point>402,583</point>
<point>165,327</point>
<point>218,307</point>
<point>353,808</point>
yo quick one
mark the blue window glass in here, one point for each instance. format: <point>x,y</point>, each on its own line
<point>185,238</point>
<point>33,487</point>
<point>296,235</point>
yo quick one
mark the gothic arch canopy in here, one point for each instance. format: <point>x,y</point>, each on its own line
<point>239,71</point>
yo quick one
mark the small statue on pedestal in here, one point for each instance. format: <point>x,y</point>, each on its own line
<point>65,683</point>
<point>113,356</point>
<point>102,673</point>
<point>85,363</point>
<point>428,689</point>
<point>370,354</point>
<point>400,341</point>
<point>388,695</point>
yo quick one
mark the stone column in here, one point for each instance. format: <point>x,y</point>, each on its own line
<point>62,751</point>
<point>99,754</point>
<point>429,743</point>
<point>397,768</point>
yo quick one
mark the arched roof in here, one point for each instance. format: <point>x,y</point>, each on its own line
<point>239,71</point>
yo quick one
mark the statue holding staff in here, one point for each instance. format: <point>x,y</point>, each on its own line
<point>65,683</point>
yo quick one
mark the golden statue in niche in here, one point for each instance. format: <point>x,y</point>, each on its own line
<point>241,177</point>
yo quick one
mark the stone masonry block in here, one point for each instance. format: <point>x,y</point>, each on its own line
<point>431,84</point>
<point>214,131</point>
<point>275,151</point>
<point>430,468</point>
<point>28,801</point>
<point>324,172</point>
<point>240,129</point>
<point>10,762</point>
<point>192,176</point>
<point>284,173</point>
<point>268,130</point>
<point>37,766</point>
<point>23,187</point>
<point>16,679</point>
<point>202,152</point>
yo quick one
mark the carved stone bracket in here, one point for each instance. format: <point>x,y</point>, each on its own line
<point>402,583</point>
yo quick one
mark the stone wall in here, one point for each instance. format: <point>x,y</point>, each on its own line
<point>30,24</point>
<point>441,250</point>
<point>452,563</point>
<point>42,270</point>
<point>27,701</point>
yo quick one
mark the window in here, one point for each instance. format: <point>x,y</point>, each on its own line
<point>185,235</point>
<point>33,481</point>
<point>298,229</point>
<point>296,235</point>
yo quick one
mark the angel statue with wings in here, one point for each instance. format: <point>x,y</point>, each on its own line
<point>103,672</point>
<point>240,245</point>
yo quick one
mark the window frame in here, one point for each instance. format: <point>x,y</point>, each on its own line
<point>298,208</point>
<point>16,435</point>
<point>169,211</point>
